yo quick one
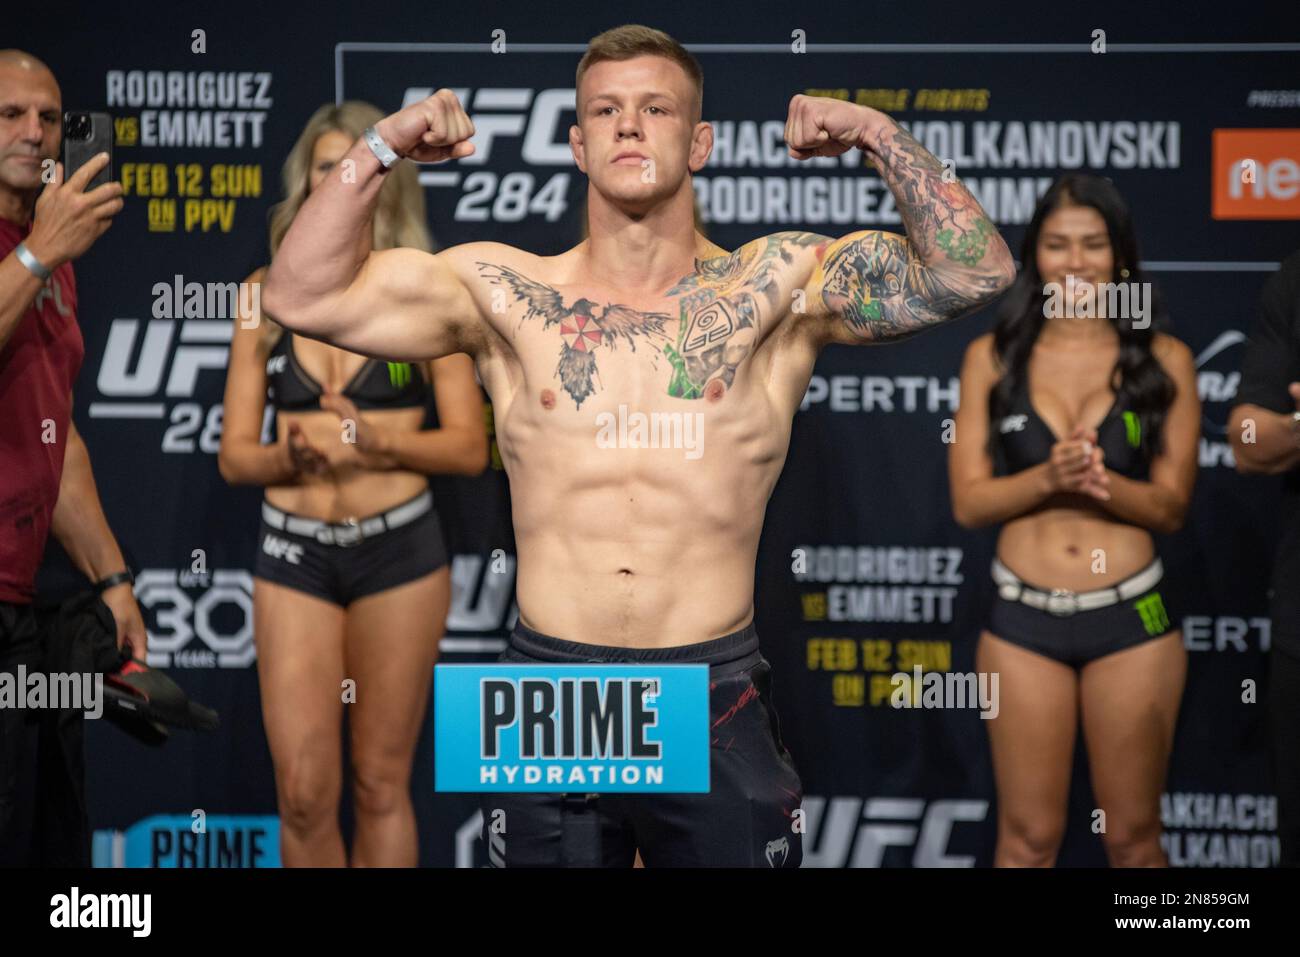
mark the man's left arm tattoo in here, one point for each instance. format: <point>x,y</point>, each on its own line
<point>880,288</point>
<point>886,286</point>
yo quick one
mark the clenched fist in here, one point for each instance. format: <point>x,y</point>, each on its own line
<point>433,130</point>
<point>823,126</point>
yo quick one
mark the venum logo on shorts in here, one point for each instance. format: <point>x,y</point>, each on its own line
<point>777,851</point>
<point>282,549</point>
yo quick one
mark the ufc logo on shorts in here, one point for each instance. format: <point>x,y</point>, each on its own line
<point>287,551</point>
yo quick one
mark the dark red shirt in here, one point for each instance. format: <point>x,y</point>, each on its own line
<point>38,366</point>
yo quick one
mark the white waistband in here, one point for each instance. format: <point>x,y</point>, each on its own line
<point>1062,601</point>
<point>352,531</point>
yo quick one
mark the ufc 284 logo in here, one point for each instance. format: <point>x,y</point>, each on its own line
<point>504,116</point>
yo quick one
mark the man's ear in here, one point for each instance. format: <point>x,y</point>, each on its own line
<point>701,146</point>
<point>577,146</point>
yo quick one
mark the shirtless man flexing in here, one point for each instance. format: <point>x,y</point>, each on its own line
<point>643,554</point>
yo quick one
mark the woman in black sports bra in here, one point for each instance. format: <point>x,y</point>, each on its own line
<point>1078,431</point>
<point>351,583</point>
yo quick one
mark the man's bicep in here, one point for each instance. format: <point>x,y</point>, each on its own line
<point>407,305</point>
<point>872,286</point>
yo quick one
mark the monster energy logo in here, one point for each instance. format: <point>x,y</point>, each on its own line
<point>1133,429</point>
<point>399,374</point>
<point>1152,610</point>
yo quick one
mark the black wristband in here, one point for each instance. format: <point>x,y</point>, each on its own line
<point>117,578</point>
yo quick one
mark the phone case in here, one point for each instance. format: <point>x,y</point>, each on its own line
<point>76,153</point>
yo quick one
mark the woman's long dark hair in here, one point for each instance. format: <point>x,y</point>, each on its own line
<point>1143,384</point>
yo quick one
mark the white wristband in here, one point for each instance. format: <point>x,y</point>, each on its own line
<point>383,152</point>
<point>28,259</point>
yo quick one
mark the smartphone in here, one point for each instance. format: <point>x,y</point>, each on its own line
<point>84,136</point>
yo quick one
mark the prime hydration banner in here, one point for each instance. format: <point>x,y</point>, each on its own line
<point>580,728</point>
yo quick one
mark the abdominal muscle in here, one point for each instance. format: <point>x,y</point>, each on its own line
<point>1073,544</point>
<point>638,547</point>
<point>628,587</point>
<point>347,490</point>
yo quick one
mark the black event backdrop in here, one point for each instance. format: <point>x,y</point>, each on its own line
<point>890,580</point>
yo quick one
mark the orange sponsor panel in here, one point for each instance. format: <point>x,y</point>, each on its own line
<point>1256,174</point>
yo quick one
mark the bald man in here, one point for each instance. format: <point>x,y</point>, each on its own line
<point>46,481</point>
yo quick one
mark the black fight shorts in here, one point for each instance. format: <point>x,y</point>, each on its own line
<point>747,819</point>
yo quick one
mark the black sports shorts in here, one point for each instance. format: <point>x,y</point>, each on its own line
<point>1084,636</point>
<point>747,818</point>
<point>342,573</point>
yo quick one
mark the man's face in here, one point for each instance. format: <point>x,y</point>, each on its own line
<point>31,124</point>
<point>636,137</point>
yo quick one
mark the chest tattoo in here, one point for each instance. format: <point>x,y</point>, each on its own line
<point>719,318</point>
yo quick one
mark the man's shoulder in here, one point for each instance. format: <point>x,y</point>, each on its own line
<point>471,259</point>
<point>788,243</point>
<point>761,261</point>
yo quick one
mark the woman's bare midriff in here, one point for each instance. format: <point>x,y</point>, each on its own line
<point>349,490</point>
<point>1074,544</point>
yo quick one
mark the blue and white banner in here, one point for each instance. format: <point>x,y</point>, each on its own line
<point>585,728</point>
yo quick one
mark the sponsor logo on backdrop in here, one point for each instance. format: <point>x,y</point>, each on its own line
<point>482,602</point>
<point>197,619</point>
<point>191,840</point>
<point>193,111</point>
<point>879,831</point>
<point>149,364</point>
<point>1256,174</point>
<point>165,369</point>
<point>532,127</point>
<point>205,619</point>
<point>1218,374</point>
<point>1219,830</point>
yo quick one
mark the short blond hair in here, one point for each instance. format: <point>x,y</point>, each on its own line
<point>633,40</point>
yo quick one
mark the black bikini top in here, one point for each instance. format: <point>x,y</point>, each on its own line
<point>376,385</point>
<point>1025,439</point>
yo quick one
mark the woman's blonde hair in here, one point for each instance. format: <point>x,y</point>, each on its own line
<point>399,218</point>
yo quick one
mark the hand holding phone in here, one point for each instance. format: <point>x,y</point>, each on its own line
<point>69,218</point>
